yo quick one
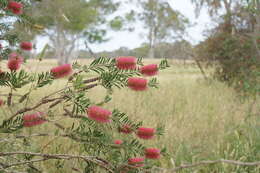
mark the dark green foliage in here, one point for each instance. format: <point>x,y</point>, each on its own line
<point>235,60</point>
<point>10,126</point>
<point>44,79</point>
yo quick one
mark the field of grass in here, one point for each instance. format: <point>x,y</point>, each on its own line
<point>203,120</point>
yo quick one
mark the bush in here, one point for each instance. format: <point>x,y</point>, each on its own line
<point>235,60</point>
<point>106,139</point>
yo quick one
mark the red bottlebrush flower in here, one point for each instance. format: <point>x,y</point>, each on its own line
<point>99,114</point>
<point>137,84</point>
<point>118,142</point>
<point>26,46</point>
<point>126,129</point>
<point>61,71</point>
<point>14,61</point>
<point>35,119</point>
<point>1,102</point>
<point>136,161</point>
<point>149,70</point>
<point>145,133</point>
<point>126,63</point>
<point>152,153</point>
<point>15,7</point>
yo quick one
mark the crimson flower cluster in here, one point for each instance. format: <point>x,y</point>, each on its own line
<point>1,102</point>
<point>130,63</point>
<point>34,119</point>
<point>15,7</point>
<point>61,71</point>
<point>15,60</point>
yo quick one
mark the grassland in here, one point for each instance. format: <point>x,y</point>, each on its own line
<point>203,120</point>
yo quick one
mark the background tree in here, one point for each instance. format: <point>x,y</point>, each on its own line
<point>68,24</point>
<point>161,22</point>
<point>232,47</point>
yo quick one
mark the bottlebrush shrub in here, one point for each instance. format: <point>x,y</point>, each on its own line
<point>66,121</point>
<point>54,126</point>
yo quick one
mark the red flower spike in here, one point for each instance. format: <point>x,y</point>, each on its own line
<point>152,153</point>
<point>118,142</point>
<point>61,71</point>
<point>35,119</point>
<point>14,61</point>
<point>1,102</point>
<point>137,84</point>
<point>15,7</point>
<point>126,63</point>
<point>136,161</point>
<point>149,70</point>
<point>26,46</point>
<point>126,129</point>
<point>145,133</point>
<point>99,114</point>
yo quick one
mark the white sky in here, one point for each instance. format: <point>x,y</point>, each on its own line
<point>135,39</point>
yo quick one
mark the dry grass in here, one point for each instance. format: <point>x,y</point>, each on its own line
<point>203,120</point>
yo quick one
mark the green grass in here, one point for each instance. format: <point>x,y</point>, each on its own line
<point>203,120</point>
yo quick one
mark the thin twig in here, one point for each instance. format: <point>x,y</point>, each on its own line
<point>91,80</point>
<point>210,162</point>
<point>92,159</point>
<point>42,102</point>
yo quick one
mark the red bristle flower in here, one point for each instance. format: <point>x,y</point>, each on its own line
<point>126,63</point>
<point>35,119</point>
<point>126,129</point>
<point>15,7</point>
<point>1,102</point>
<point>99,114</point>
<point>145,133</point>
<point>14,61</point>
<point>152,153</point>
<point>136,161</point>
<point>61,71</point>
<point>118,142</point>
<point>149,70</point>
<point>26,46</point>
<point>137,84</point>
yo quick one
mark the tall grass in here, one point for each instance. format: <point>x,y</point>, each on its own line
<point>203,121</point>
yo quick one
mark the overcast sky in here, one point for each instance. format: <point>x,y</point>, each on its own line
<point>135,39</point>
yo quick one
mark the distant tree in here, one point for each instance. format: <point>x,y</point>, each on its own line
<point>161,21</point>
<point>182,50</point>
<point>232,48</point>
<point>68,23</point>
<point>141,51</point>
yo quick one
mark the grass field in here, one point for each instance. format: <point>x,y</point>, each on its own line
<point>203,120</point>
